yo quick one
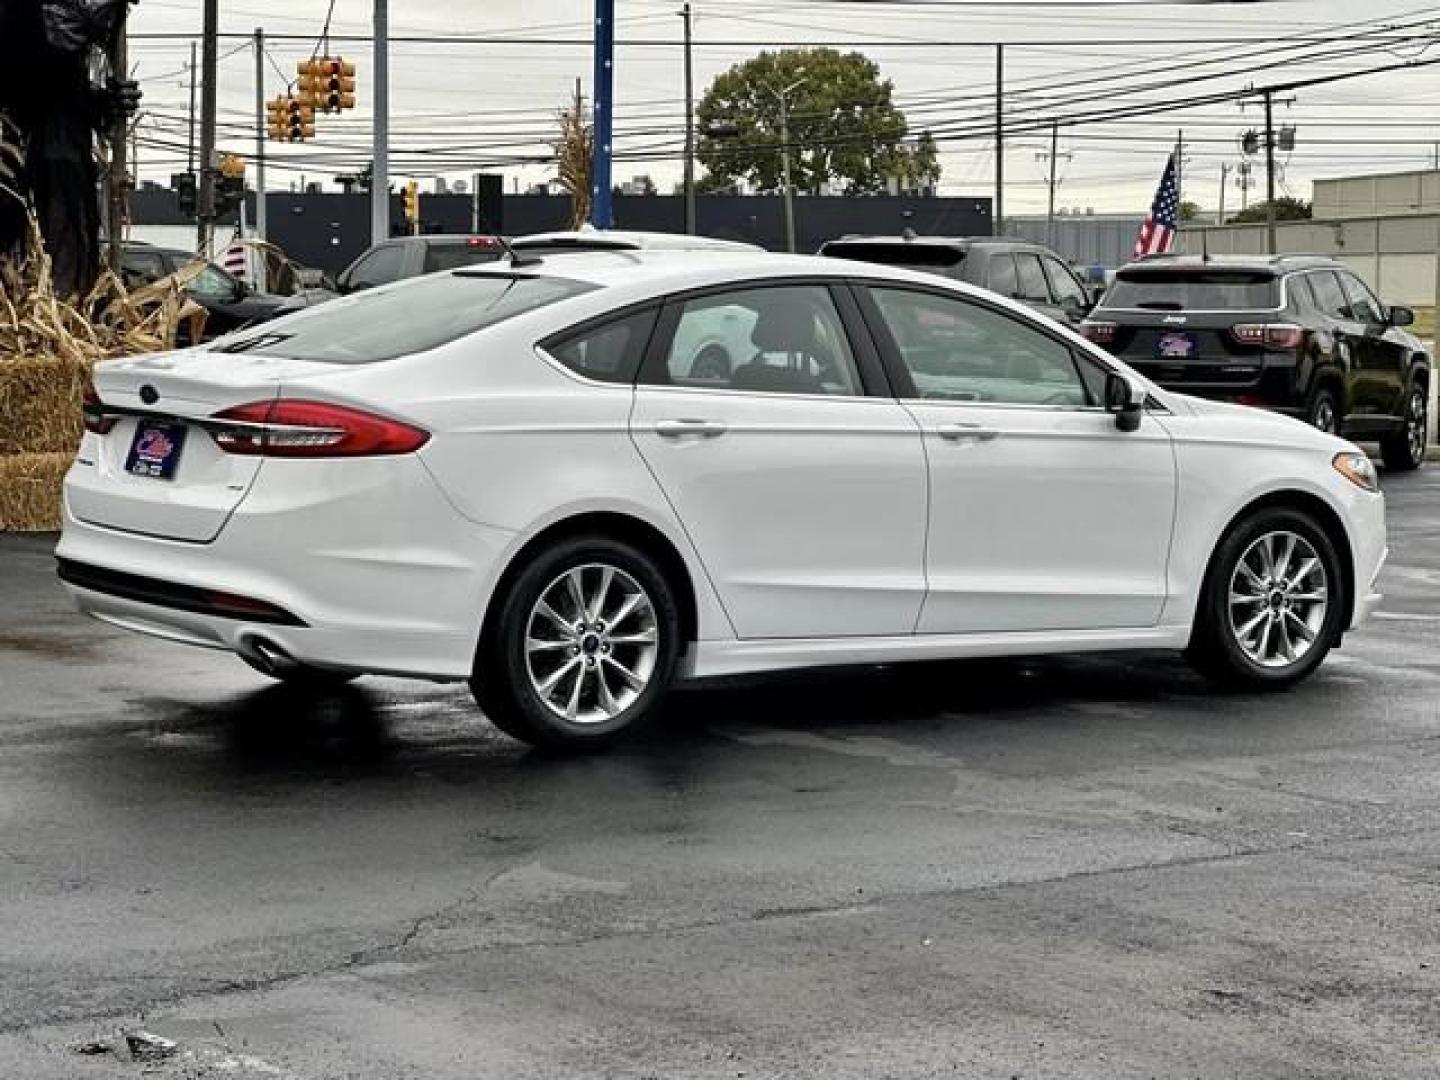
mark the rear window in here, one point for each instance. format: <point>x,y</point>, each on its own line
<point>1197,290</point>
<point>409,317</point>
<point>928,257</point>
<point>454,256</point>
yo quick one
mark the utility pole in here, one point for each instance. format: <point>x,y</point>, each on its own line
<point>260,217</point>
<point>115,194</point>
<point>689,125</point>
<point>1180,165</point>
<point>190,149</point>
<point>789,188</point>
<point>1054,157</point>
<point>1269,172</point>
<point>1220,215</point>
<point>209,65</point>
<point>380,150</point>
<point>998,223</point>
<point>601,211</point>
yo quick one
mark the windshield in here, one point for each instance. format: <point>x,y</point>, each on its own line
<point>1193,290</point>
<point>413,316</point>
<point>212,283</point>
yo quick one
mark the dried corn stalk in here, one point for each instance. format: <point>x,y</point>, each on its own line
<point>575,159</point>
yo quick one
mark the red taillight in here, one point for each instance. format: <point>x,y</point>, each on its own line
<point>1102,333</point>
<point>93,410</point>
<point>1255,401</point>
<point>482,242</point>
<point>1269,335</point>
<point>294,428</point>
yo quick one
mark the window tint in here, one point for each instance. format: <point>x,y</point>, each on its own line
<point>957,350</point>
<point>1032,278</point>
<point>1328,295</point>
<point>1363,305</point>
<point>380,267</point>
<point>1001,275</point>
<point>1063,285</point>
<point>454,256</point>
<point>1193,290</point>
<point>936,258</point>
<point>611,352</point>
<point>410,317</point>
<point>1300,294</point>
<point>786,339</point>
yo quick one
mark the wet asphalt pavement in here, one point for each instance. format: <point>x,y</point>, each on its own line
<point>1087,867</point>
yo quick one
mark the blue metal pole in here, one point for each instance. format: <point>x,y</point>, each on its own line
<point>601,215</point>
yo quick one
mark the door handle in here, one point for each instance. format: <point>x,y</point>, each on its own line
<point>676,429</point>
<point>978,432</point>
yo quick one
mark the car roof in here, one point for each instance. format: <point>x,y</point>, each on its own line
<point>628,240</point>
<point>961,242</point>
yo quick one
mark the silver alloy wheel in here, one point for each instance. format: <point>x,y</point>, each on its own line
<point>1279,594</point>
<point>1415,425</point>
<point>591,643</point>
<point>1324,416</point>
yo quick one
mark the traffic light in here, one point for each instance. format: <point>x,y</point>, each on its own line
<point>1250,142</point>
<point>291,120</point>
<point>327,83</point>
<point>185,192</point>
<point>411,199</point>
<point>230,183</point>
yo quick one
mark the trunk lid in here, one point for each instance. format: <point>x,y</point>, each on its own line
<point>163,393</point>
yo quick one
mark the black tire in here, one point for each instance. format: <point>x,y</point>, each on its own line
<point>1404,450</point>
<point>1323,411</point>
<point>1216,648</point>
<point>506,678</point>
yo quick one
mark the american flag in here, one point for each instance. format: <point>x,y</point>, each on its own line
<point>1157,235</point>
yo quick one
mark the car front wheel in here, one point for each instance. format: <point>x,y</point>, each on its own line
<point>584,647</point>
<point>1404,449</point>
<point>1273,602</point>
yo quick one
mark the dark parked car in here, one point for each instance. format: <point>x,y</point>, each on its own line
<point>1299,334</point>
<point>411,256</point>
<point>1030,273</point>
<point>228,302</point>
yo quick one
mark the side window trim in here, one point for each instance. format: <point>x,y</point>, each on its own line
<point>899,375</point>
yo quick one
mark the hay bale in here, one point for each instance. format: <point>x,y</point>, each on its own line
<point>30,490</point>
<point>40,404</point>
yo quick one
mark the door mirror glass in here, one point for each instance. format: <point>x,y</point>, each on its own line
<point>1126,399</point>
<point>1401,316</point>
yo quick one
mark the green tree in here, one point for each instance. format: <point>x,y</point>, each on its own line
<point>844,125</point>
<point>1286,209</point>
<point>1189,211</point>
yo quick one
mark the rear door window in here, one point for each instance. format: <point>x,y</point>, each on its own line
<point>1300,293</point>
<point>1001,275</point>
<point>1194,290</point>
<point>413,316</point>
<point>1329,296</point>
<point>1063,285</point>
<point>1032,278</point>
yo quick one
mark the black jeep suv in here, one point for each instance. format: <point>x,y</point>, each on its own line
<point>1299,334</point>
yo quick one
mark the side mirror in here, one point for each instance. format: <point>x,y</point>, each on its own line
<point>1125,398</point>
<point>1401,316</point>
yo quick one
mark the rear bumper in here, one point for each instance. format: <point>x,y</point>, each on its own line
<point>372,568</point>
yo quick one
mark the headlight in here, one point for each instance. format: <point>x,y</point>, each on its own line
<point>1357,468</point>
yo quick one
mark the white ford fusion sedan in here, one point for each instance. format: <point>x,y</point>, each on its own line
<point>574,480</point>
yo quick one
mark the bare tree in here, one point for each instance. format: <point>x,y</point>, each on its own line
<point>575,156</point>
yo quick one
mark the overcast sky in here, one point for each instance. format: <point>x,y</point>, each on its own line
<point>461,107</point>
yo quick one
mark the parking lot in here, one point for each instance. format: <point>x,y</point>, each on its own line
<point>1087,867</point>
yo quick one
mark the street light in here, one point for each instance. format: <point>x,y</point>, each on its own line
<point>783,97</point>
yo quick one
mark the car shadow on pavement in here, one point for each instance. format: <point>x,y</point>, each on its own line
<point>292,724</point>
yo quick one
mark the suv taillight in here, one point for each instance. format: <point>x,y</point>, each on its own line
<point>94,411</point>
<point>1101,333</point>
<point>311,429</point>
<point>1269,335</point>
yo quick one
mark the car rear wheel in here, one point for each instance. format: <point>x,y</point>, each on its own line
<point>584,647</point>
<point>1323,413</point>
<point>1404,450</point>
<point>1272,604</point>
